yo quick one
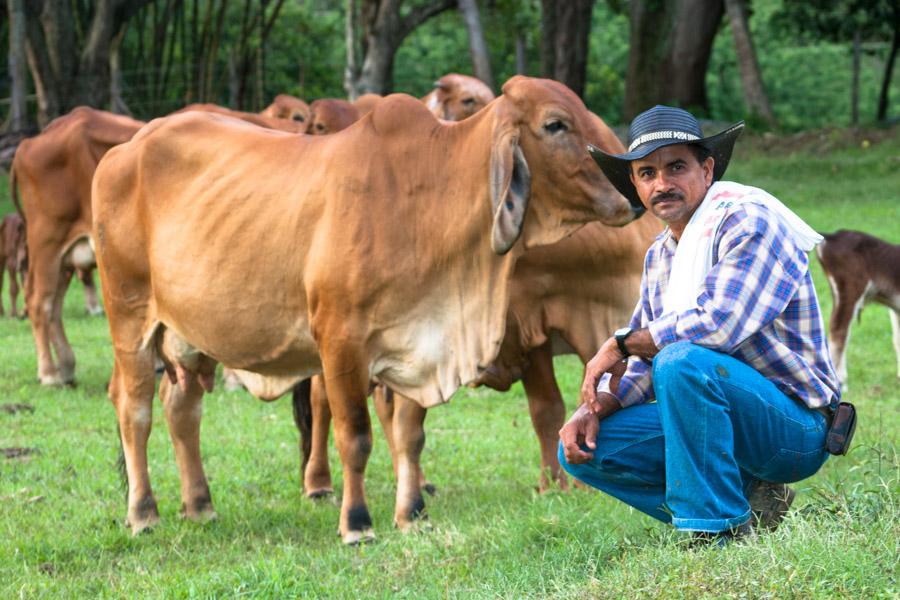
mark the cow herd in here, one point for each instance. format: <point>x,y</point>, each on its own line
<point>394,245</point>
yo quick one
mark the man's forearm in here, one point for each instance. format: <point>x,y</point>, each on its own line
<point>640,343</point>
<point>604,405</point>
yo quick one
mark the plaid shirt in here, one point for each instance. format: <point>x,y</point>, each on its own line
<point>757,304</point>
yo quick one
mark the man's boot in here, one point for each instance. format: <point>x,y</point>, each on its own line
<point>769,502</point>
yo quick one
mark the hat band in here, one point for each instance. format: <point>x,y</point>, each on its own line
<point>662,135</point>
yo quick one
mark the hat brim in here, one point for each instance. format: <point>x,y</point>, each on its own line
<point>617,167</point>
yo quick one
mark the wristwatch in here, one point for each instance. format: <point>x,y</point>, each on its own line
<point>621,335</point>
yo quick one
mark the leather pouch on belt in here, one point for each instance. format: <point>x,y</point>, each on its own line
<point>843,425</point>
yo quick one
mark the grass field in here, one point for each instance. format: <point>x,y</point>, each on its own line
<point>491,534</point>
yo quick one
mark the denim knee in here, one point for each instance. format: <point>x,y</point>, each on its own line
<point>675,359</point>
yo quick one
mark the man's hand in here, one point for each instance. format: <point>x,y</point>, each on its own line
<point>608,358</point>
<point>582,428</point>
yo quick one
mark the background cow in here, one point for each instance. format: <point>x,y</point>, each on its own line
<point>50,181</point>
<point>288,107</point>
<point>13,257</point>
<point>330,115</point>
<point>277,218</point>
<point>456,97</point>
<point>860,269</point>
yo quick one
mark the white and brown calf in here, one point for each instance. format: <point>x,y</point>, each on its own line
<point>860,269</point>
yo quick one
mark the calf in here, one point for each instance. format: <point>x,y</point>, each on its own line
<point>13,256</point>
<point>861,269</point>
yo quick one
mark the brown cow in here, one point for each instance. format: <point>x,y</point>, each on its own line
<point>565,298</point>
<point>53,171</point>
<point>861,269</point>
<point>288,107</point>
<point>277,218</point>
<point>330,115</point>
<point>261,120</point>
<point>13,257</point>
<point>456,97</point>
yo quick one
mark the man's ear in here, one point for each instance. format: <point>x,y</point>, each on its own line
<point>709,166</point>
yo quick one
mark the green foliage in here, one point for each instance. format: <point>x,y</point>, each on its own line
<point>491,535</point>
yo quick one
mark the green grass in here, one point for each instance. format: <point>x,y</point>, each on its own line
<point>492,535</point>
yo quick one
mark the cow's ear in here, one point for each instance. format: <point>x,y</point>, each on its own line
<point>510,189</point>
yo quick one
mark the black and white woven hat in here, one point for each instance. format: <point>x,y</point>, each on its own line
<point>663,126</point>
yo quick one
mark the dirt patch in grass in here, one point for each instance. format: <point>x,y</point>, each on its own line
<point>12,409</point>
<point>19,452</point>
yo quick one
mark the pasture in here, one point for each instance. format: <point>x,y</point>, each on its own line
<point>489,533</point>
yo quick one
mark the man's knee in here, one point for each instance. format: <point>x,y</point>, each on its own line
<point>676,359</point>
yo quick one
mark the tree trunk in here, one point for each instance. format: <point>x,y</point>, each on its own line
<point>481,61</point>
<point>854,86</point>
<point>351,39</point>
<point>751,80</point>
<point>64,74</point>
<point>116,101</point>
<point>521,61</point>
<point>384,29</point>
<point>889,68</point>
<point>565,41</point>
<point>650,30</point>
<point>670,45</point>
<point>684,74</point>
<point>17,120</point>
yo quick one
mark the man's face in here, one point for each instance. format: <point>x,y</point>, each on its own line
<point>672,184</point>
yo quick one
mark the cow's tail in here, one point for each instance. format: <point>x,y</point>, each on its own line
<point>302,403</point>
<point>14,191</point>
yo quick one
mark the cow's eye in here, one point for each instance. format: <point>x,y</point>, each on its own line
<point>298,118</point>
<point>555,126</point>
<point>468,101</point>
<point>320,127</point>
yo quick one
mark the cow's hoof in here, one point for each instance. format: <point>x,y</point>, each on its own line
<point>430,489</point>
<point>320,493</point>
<point>54,380</point>
<point>139,525</point>
<point>202,514</point>
<point>419,525</point>
<point>356,537</point>
<point>96,312</point>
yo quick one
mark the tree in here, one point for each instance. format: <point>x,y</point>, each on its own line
<point>565,29</point>
<point>384,27</point>
<point>18,114</point>
<point>751,80</point>
<point>671,42</point>
<point>67,69</point>
<point>481,61</point>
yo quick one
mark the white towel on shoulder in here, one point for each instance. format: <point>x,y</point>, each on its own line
<point>694,254</point>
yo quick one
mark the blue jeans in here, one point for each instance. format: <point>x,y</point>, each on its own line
<point>717,427</point>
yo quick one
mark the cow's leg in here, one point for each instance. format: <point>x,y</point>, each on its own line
<point>895,331</point>
<point>12,281</point>
<point>184,409</point>
<point>346,384</point>
<point>548,413</point>
<point>383,398</point>
<point>13,293</point>
<point>131,392</point>
<point>848,300</point>
<point>41,284</point>
<point>408,441</point>
<point>65,358</point>
<point>91,300</point>
<point>317,474</point>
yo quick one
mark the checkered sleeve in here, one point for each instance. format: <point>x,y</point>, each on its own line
<point>635,386</point>
<point>758,272</point>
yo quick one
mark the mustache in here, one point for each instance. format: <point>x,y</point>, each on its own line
<point>666,196</point>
